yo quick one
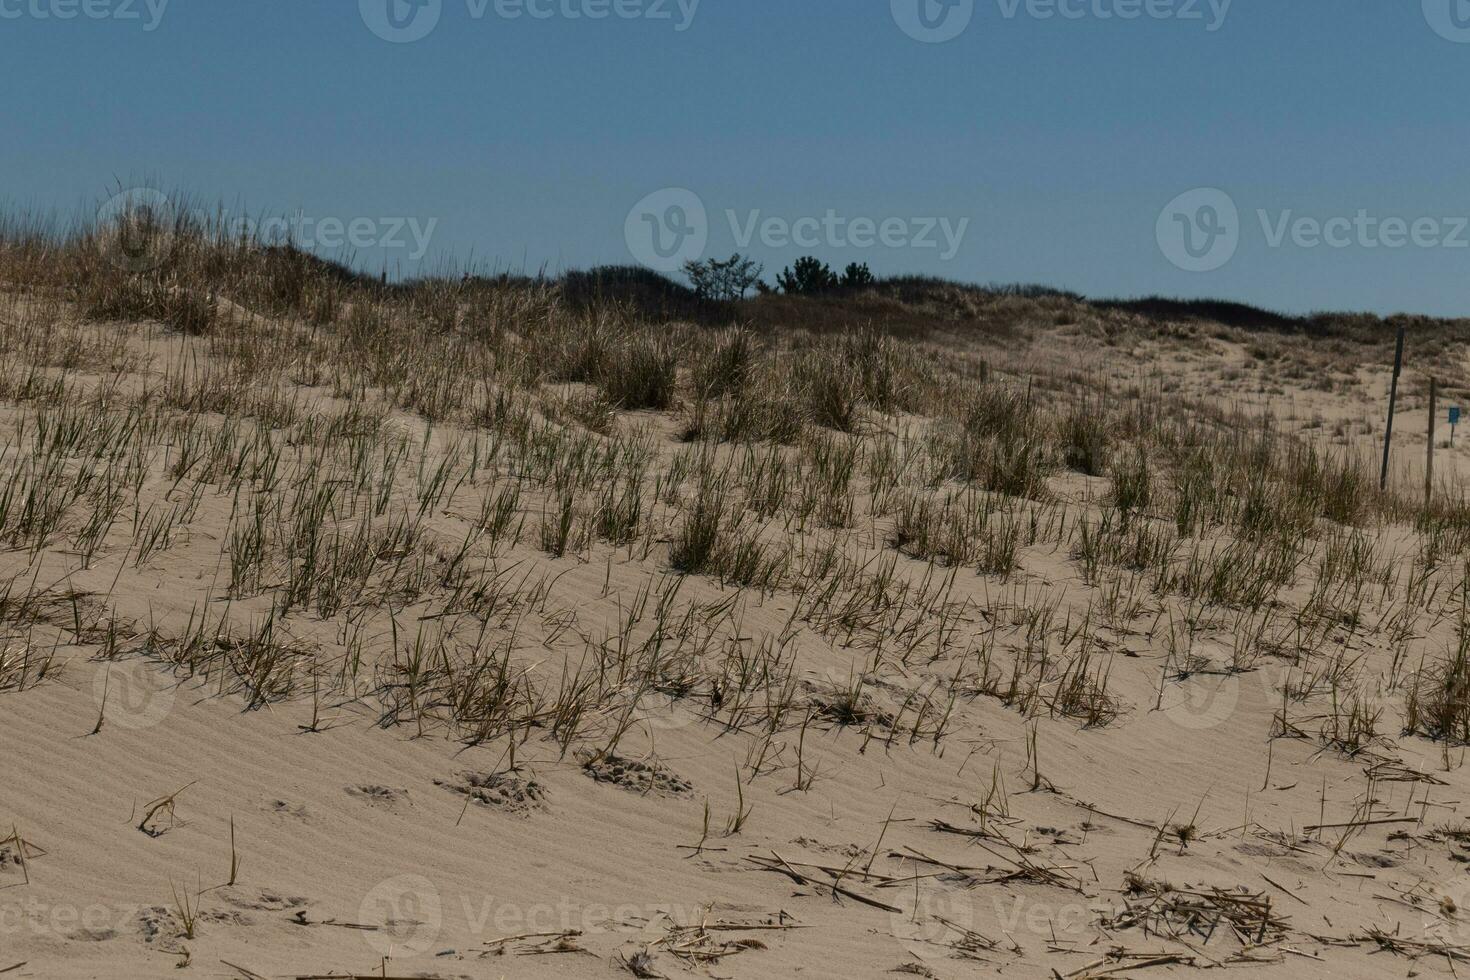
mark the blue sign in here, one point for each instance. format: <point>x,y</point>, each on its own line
<point>1454,416</point>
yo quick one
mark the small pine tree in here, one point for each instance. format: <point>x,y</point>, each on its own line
<point>857,276</point>
<point>723,282</point>
<point>810,275</point>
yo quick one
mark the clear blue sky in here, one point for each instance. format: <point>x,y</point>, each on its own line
<point>528,140</point>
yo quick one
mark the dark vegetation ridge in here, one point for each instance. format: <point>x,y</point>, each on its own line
<point>42,252</point>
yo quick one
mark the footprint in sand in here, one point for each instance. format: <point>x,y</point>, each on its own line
<point>264,901</point>
<point>288,809</point>
<point>644,778</point>
<point>378,795</point>
<point>499,791</point>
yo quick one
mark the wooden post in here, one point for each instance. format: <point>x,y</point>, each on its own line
<point>1429,459</point>
<point>1393,397</point>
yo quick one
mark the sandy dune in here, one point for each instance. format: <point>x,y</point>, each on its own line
<point>377,646</point>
